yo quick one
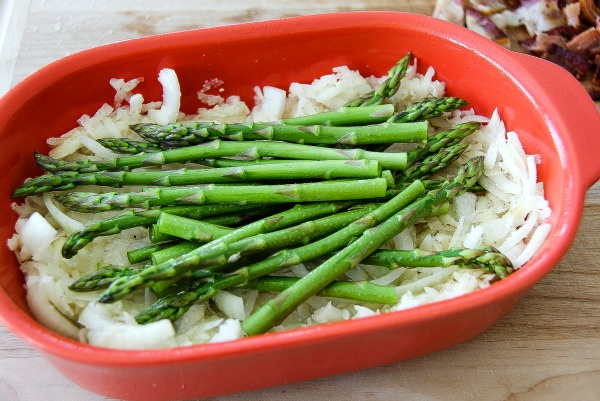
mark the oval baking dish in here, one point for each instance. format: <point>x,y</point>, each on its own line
<point>549,110</point>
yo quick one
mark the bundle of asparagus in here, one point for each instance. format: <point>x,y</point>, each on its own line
<point>271,195</point>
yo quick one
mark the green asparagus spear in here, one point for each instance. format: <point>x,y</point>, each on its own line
<point>202,232</point>
<point>176,267</point>
<point>276,309</point>
<point>218,148</point>
<point>346,116</point>
<point>284,238</point>
<point>196,229</point>
<point>361,291</point>
<point>173,306</point>
<point>129,146</point>
<point>101,278</point>
<point>432,163</point>
<point>156,237</point>
<point>441,140</point>
<point>486,257</point>
<point>190,229</point>
<point>220,253</point>
<point>326,169</point>
<point>226,162</point>
<point>130,219</point>
<point>184,247</point>
<point>435,184</point>
<point>142,254</point>
<point>173,252</point>
<point>213,194</point>
<point>245,216</point>
<point>427,108</point>
<point>192,133</point>
<point>388,88</point>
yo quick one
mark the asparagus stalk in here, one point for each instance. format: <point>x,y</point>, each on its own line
<point>184,247</point>
<point>360,291</point>
<point>214,194</point>
<point>326,169</point>
<point>192,133</point>
<point>486,257</point>
<point>173,306</point>
<point>284,238</point>
<point>101,278</point>
<point>176,267</point>
<point>435,184</point>
<point>129,146</point>
<point>432,163</point>
<point>196,231</point>
<point>244,216</point>
<point>441,140</point>
<point>159,253</point>
<point>302,233</point>
<point>427,108</point>
<point>190,229</point>
<point>142,254</point>
<point>276,309</point>
<point>225,162</point>
<point>173,252</point>
<point>218,148</point>
<point>130,219</point>
<point>424,110</point>
<point>388,88</point>
<point>346,116</point>
<point>156,237</point>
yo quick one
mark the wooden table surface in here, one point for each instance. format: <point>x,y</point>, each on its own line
<point>547,348</point>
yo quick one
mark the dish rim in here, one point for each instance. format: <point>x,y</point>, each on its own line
<point>47,341</point>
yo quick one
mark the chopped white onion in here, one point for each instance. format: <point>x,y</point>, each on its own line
<point>230,329</point>
<point>270,104</point>
<point>42,308</point>
<point>106,330</point>
<point>37,235</point>
<point>230,304</point>
<point>330,313</point>
<point>69,224</point>
<point>169,110</point>
<point>535,242</point>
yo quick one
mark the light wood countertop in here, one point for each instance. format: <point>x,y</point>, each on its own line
<point>547,348</point>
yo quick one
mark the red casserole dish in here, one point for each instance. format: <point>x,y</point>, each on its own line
<point>544,104</point>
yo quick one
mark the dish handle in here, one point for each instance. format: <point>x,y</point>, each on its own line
<point>579,114</point>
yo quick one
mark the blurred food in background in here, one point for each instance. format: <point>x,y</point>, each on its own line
<point>565,32</point>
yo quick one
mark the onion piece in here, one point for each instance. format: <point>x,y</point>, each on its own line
<point>37,235</point>
<point>169,110</point>
<point>69,224</point>
<point>230,329</point>
<point>270,104</point>
<point>230,304</point>
<point>44,311</point>
<point>107,330</point>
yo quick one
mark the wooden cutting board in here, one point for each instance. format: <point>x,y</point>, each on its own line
<point>547,348</point>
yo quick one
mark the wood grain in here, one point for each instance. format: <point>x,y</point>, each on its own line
<point>547,348</point>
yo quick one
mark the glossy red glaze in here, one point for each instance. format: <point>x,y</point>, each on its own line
<point>544,104</point>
